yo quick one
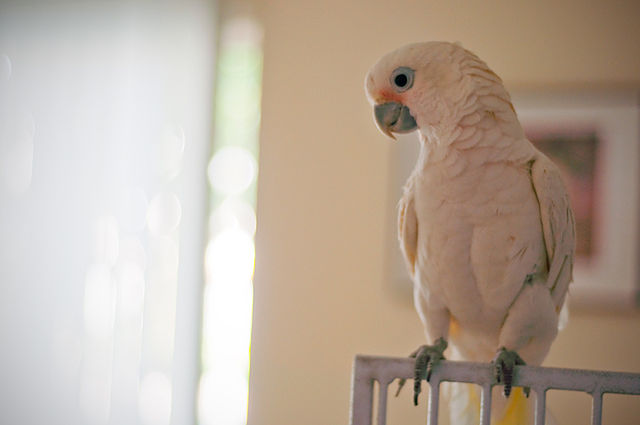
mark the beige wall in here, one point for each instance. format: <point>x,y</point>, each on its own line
<point>320,294</point>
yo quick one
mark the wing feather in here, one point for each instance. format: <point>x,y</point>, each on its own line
<point>558,225</point>
<point>408,227</point>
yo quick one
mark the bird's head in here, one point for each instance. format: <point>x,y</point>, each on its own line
<point>424,86</point>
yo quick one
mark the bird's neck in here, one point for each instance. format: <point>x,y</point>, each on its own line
<point>458,145</point>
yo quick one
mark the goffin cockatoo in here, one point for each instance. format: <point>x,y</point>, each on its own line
<point>485,224</point>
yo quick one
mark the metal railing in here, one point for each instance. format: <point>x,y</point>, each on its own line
<point>367,369</point>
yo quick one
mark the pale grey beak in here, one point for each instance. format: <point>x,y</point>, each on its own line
<point>394,117</point>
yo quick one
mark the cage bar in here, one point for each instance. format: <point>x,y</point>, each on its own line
<point>367,369</point>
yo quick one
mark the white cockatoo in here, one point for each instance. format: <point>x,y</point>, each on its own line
<point>484,224</point>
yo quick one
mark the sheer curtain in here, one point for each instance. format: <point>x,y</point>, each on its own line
<point>105,110</point>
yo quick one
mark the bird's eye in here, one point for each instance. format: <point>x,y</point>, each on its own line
<point>402,78</point>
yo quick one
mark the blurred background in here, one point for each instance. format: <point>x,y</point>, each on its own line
<point>143,143</point>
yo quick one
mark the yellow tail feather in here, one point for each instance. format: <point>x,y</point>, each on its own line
<point>464,402</point>
<point>517,410</point>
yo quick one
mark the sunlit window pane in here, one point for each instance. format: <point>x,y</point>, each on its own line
<point>230,253</point>
<point>105,131</point>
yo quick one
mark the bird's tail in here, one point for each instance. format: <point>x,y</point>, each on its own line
<point>518,410</point>
<point>464,406</point>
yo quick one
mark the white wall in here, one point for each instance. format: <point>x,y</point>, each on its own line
<point>320,293</point>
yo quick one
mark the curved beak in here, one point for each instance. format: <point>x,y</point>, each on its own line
<point>394,117</point>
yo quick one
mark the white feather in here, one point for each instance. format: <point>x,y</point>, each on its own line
<point>485,223</point>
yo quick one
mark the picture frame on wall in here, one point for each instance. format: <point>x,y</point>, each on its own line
<point>593,136</point>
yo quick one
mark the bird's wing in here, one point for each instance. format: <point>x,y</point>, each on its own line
<point>557,225</point>
<point>408,227</point>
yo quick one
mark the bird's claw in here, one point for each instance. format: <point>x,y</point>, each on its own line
<point>504,363</point>
<point>401,383</point>
<point>427,356</point>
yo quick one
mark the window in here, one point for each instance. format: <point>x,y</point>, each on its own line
<point>105,131</point>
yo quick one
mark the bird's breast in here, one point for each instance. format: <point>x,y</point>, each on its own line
<point>471,230</point>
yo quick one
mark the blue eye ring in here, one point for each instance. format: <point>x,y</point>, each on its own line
<point>402,79</point>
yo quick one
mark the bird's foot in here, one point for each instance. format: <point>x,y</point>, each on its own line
<point>427,356</point>
<point>504,362</point>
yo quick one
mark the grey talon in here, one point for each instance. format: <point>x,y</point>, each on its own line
<point>427,357</point>
<point>504,362</point>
